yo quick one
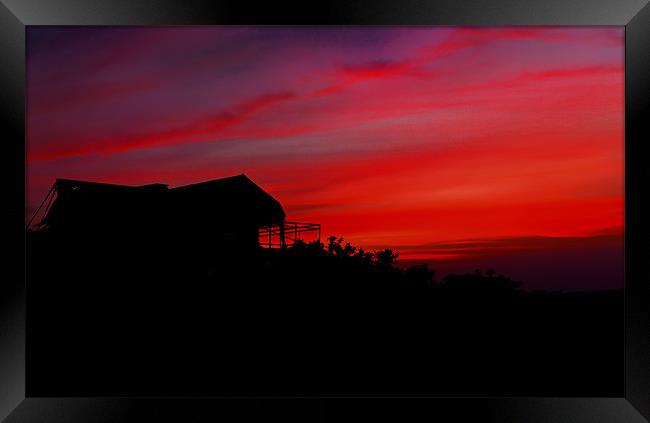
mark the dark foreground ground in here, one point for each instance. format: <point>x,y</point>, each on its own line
<point>112,320</point>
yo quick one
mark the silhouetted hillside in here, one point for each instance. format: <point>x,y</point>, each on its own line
<point>120,319</point>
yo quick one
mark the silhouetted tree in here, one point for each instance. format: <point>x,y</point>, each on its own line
<point>386,258</point>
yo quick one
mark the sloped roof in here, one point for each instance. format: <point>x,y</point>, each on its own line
<point>232,197</point>
<point>236,198</point>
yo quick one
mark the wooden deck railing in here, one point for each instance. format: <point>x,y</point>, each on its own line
<point>271,236</point>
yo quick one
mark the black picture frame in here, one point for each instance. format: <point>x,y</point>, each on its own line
<point>15,15</point>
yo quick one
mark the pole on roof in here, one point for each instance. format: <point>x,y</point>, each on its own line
<point>49,204</point>
<point>39,207</point>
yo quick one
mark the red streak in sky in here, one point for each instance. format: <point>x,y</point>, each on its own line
<point>450,144</point>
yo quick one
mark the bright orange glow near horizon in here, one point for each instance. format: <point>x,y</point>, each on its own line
<point>454,146</point>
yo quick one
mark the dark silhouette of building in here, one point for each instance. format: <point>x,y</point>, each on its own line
<point>228,214</point>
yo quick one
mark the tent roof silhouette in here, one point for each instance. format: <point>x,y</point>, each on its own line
<point>235,198</point>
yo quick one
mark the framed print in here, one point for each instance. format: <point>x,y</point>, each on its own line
<point>418,209</point>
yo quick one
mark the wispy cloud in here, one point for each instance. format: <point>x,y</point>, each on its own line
<point>473,248</point>
<point>200,129</point>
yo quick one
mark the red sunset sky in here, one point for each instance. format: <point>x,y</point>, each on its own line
<point>461,147</point>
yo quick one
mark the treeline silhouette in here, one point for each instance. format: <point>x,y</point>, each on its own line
<point>124,318</point>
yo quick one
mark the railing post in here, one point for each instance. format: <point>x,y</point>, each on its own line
<point>285,241</point>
